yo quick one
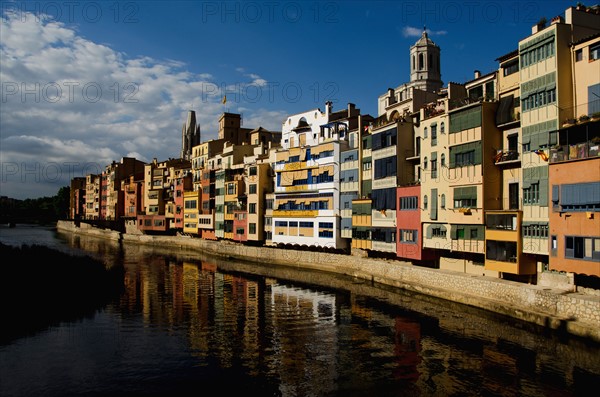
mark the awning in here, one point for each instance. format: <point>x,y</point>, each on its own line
<point>504,112</point>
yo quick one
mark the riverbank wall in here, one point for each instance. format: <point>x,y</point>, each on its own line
<point>566,311</point>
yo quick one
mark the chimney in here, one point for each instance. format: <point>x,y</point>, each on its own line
<point>477,74</point>
<point>351,108</point>
<point>328,108</point>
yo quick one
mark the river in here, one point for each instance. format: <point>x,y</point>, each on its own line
<point>188,324</point>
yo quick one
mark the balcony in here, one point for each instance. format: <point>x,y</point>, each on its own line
<point>296,213</point>
<point>576,151</point>
<point>575,142</point>
<point>507,156</point>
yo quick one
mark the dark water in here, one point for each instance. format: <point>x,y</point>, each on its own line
<point>194,325</point>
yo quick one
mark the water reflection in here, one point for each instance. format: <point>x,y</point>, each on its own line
<point>191,321</point>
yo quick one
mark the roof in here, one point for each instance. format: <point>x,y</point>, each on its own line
<point>584,39</point>
<point>424,40</point>
<point>511,54</point>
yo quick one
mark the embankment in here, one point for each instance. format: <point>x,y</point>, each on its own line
<point>565,311</point>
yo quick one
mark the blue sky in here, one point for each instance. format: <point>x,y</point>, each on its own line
<point>85,83</point>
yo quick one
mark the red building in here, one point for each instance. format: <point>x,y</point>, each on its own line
<point>409,240</point>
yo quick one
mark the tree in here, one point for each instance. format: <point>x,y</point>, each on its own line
<point>61,202</point>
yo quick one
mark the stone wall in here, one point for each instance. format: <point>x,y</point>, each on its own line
<point>571,312</point>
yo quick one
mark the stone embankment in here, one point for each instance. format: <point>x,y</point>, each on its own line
<point>566,311</point>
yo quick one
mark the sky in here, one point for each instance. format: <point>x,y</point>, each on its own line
<point>86,83</point>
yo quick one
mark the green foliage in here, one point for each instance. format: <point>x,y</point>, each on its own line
<point>39,210</point>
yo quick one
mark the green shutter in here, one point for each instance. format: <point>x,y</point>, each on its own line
<point>477,147</point>
<point>433,213</point>
<point>458,193</point>
<point>429,231</point>
<point>556,193</point>
<point>452,155</point>
<point>470,192</point>
<point>544,192</point>
<point>453,231</point>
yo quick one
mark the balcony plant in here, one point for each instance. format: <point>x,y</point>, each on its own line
<point>583,118</point>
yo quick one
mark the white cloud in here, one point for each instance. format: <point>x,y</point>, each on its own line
<point>66,100</point>
<point>410,31</point>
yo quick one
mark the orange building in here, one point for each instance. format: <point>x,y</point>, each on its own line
<point>575,194</point>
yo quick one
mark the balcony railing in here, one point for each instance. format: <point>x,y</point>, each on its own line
<point>503,156</point>
<point>575,151</point>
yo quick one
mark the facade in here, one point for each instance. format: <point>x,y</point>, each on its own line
<point>92,196</point>
<point>307,196</point>
<point>575,212</point>
<point>547,98</point>
<point>497,176</point>
<point>77,198</point>
<point>111,198</point>
<point>133,194</point>
<point>159,181</point>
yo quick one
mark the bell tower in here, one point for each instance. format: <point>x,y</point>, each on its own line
<point>425,72</point>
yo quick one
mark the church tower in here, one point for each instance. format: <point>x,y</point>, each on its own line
<point>425,72</point>
<point>190,136</point>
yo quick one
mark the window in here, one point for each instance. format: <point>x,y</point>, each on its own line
<point>252,208</point>
<point>252,188</point>
<point>531,195</point>
<point>504,251</point>
<point>535,230</point>
<point>438,232</point>
<point>230,188</point>
<point>443,201</point>
<point>409,203</point>
<point>385,167</point>
<point>510,68</point>
<point>433,135</point>
<point>425,202</point>
<point>539,99</point>
<point>252,228</point>
<point>587,248</point>
<point>553,246</point>
<point>465,197</point>
<point>465,154</point>
<point>425,163</point>
<point>465,158</point>
<point>443,160</point>
<point>595,51</point>
<point>425,132</point>
<point>434,168</point>
<point>442,128</point>
<point>535,54</point>
<point>579,55</point>
<point>577,196</point>
<point>408,236</point>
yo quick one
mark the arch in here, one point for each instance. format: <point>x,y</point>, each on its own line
<point>413,62</point>
<point>302,122</point>
<point>420,61</point>
<point>395,115</point>
<point>430,61</point>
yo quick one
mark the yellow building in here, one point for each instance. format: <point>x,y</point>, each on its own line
<point>547,99</point>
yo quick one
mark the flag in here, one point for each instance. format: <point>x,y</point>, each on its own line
<point>224,100</point>
<point>542,154</point>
